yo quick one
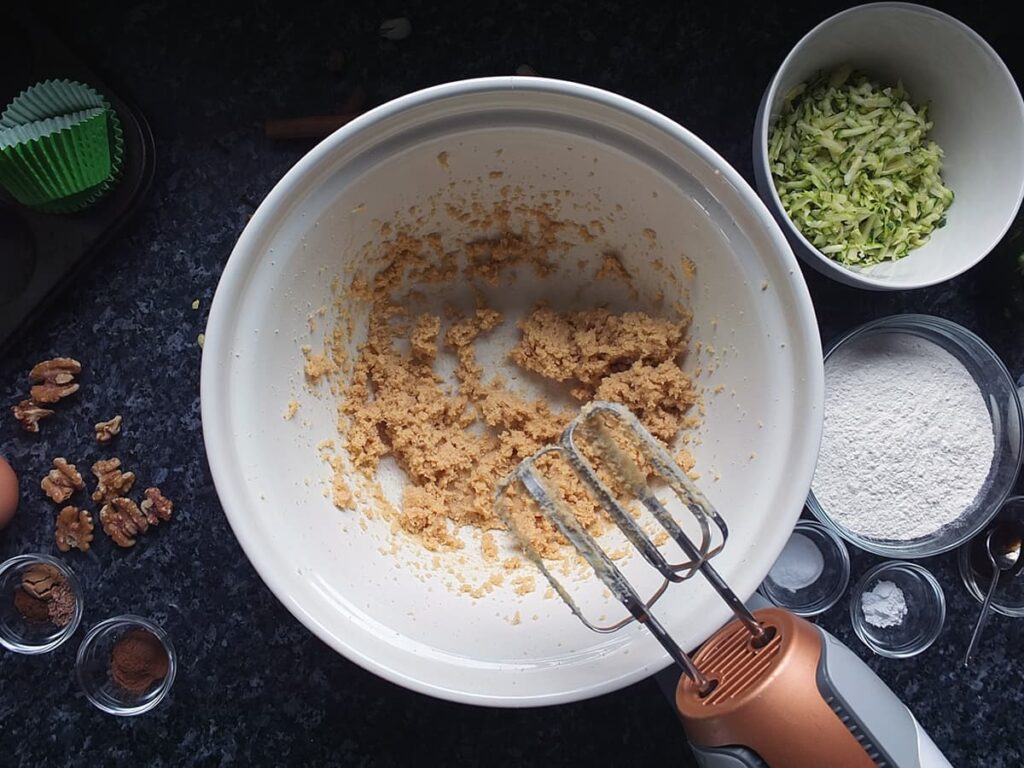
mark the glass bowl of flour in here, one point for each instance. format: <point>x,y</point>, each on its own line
<point>922,437</point>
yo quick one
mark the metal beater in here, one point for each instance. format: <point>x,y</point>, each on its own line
<point>766,689</point>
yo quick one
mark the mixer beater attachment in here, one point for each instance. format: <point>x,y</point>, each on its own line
<point>607,430</point>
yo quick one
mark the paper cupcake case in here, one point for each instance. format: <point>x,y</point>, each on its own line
<point>55,158</point>
<point>88,197</point>
<point>48,99</point>
<point>61,147</point>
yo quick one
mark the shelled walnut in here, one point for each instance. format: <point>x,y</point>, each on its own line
<point>108,430</point>
<point>74,529</point>
<point>54,379</point>
<point>62,481</point>
<point>123,521</point>
<point>28,413</point>
<point>156,506</point>
<point>111,481</point>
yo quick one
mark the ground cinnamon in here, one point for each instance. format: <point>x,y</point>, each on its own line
<point>138,661</point>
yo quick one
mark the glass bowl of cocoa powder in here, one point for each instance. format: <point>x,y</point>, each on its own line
<point>126,665</point>
<point>40,603</point>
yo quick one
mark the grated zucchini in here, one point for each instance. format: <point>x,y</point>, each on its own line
<point>855,170</point>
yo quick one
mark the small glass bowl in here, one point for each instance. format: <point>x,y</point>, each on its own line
<point>926,610</point>
<point>92,668</point>
<point>976,570</point>
<point>19,635</point>
<point>820,595</point>
<point>999,391</point>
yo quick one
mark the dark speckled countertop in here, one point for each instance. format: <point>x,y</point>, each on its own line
<point>254,686</point>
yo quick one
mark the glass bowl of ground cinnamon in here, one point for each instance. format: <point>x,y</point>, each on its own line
<point>40,603</point>
<point>126,665</point>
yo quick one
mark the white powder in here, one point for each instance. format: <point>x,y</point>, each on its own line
<point>799,565</point>
<point>884,606</point>
<point>907,441</point>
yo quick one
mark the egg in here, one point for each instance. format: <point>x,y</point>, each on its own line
<point>8,493</point>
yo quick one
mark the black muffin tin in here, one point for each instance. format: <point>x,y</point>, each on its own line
<point>41,254</point>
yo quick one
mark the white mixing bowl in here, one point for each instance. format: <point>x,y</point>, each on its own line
<point>979,123</point>
<point>334,570</point>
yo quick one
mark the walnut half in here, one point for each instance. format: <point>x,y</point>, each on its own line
<point>62,481</point>
<point>108,430</point>
<point>156,506</point>
<point>28,413</point>
<point>111,482</point>
<point>54,379</point>
<point>74,529</point>
<point>123,521</point>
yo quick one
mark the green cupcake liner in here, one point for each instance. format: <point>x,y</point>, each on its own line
<point>9,137</point>
<point>61,147</point>
<point>89,197</point>
<point>57,157</point>
<point>50,98</point>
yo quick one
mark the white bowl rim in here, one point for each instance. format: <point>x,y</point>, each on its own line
<point>234,278</point>
<point>867,280</point>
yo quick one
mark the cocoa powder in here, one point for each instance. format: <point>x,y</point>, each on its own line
<point>45,596</point>
<point>32,609</point>
<point>138,661</point>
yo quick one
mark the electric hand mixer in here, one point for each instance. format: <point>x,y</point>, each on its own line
<point>768,689</point>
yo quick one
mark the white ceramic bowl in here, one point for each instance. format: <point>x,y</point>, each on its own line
<point>332,569</point>
<point>979,123</point>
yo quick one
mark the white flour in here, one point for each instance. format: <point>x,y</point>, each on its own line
<point>907,442</point>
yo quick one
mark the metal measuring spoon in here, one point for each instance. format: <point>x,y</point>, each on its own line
<point>1003,553</point>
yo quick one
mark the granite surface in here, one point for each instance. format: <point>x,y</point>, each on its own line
<point>254,687</point>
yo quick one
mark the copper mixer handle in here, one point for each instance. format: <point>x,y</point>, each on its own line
<point>767,698</point>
